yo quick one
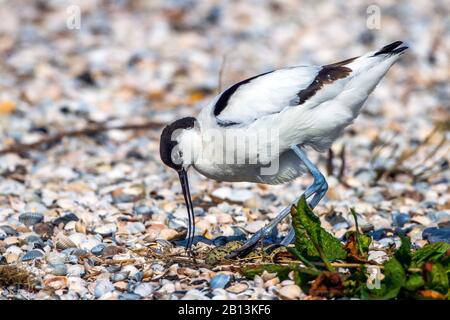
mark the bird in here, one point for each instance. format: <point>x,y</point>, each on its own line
<point>287,111</point>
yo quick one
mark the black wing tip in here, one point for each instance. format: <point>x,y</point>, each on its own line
<point>399,50</point>
<point>393,48</point>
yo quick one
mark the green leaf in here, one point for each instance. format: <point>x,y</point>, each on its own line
<point>437,279</point>
<point>403,254</point>
<point>430,252</point>
<point>394,279</point>
<point>311,238</point>
<point>302,279</point>
<point>298,255</point>
<point>357,246</point>
<point>446,263</point>
<point>355,283</point>
<point>414,282</point>
<point>362,241</point>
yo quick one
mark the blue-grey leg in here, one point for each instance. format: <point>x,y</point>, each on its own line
<point>318,189</point>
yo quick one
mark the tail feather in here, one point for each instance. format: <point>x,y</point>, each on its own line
<point>392,48</point>
<point>386,55</point>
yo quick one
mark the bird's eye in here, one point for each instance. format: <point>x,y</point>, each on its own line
<point>180,154</point>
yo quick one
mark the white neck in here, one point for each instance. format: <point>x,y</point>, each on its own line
<point>190,143</point>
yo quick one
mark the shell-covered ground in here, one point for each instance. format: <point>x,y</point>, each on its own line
<point>92,215</point>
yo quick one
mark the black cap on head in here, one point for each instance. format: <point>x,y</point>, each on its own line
<point>167,143</point>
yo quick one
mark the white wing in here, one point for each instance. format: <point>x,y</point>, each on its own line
<point>263,95</point>
<point>303,86</point>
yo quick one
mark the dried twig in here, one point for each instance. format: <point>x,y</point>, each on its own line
<point>405,155</point>
<point>330,167</point>
<point>334,264</point>
<point>378,146</point>
<point>431,171</point>
<point>221,71</point>
<point>343,163</point>
<point>433,152</point>
<point>20,148</point>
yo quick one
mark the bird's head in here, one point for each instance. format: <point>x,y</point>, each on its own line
<point>173,140</point>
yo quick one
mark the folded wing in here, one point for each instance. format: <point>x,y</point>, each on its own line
<point>263,95</point>
<point>302,86</point>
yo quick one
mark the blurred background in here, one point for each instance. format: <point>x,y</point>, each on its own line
<point>66,65</point>
<point>121,60</point>
<point>71,69</point>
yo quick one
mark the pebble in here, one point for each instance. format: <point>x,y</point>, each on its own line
<point>31,218</point>
<point>377,256</point>
<point>340,226</point>
<point>56,282</point>
<point>379,234</point>
<point>55,258</point>
<point>220,281</point>
<point>102,287</point>
<point>272,282</point>
<point>89,244</point>
<point>63,242</point>
<point>36,241</point>
<point>121,285</point>
<point>255,226</point>
<point>290,292</point>
<point>14,249</point>
<point>73,259</point>
<point>130,270</point>
<point>106,230</point>
<point>113,268</point>
<point>168,288</point>
<point>143,209</point>
<point>436,234</point>
<point>9,231</point>
<point>119,276</point>
<point>44,230</point>
<point>11,258</point>
<point>129,296</point>
<point>135,227</point>
<point>235,195</point>
<point>59,269</point>
<point>286,282</point>
<point>75,270</point>
<point>144,289</point>
<point>32,255</point>
<point>194,294</point>
<point>400,219</point>
<point>9,241</point>
<point>138,276</point>
<point>386,242</point>
<point>238,288</point>
<point>167,234</point>
<point>98,249</point>
<point>65,219</point>
<point>78,285</point>
<point>112,250</point>
<point>423,220</point>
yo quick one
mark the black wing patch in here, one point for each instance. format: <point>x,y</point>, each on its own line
<point>326,75</point>
<point>222,102</point>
